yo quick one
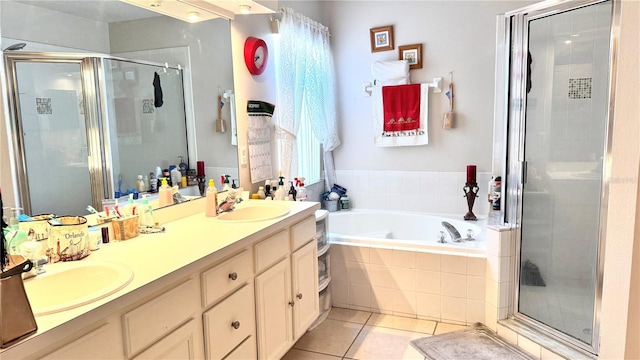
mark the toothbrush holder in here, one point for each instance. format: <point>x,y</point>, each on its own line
<point>471,193</point>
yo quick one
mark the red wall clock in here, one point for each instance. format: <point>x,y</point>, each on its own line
<point>255,55</point>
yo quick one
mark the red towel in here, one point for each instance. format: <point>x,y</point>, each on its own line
<point>401,104</point>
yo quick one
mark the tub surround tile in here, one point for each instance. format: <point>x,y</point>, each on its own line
<point>476,266</point>
<point>339,293</point>
<point>358,254</point>
<point>381,256</point>
<point>428,261</point>
<point>354,316</point>
<point>404,303</point>
<point>402,323</point>
<point>406,259</point>
<point>453,285</point>
<point>476,288</point>
<point>454,309</point>
<point>360,296</point>
<point>428,282</point>
<point>358,273</point>
<point>491,316</point>
<point>429,306</point>
<point>404,279</point>
<point>381,276</point>
<point>382,299</point>
<point>454,265</point>
<point>475,312</point>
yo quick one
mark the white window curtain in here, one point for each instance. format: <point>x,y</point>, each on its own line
<point>305,82</point>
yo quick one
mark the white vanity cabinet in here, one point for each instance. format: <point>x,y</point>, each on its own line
<point>286,288</point>
<point>105,342</point>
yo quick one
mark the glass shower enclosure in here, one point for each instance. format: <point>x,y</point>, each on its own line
<point>81,122</point>
<point>558,120</point>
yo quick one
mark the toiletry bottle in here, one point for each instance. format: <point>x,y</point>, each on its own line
<point>211,200</point>
<point>302,191</point>
<point>225,181</point>
<point>141,186</point>
<point>129,208</point>
<point>267,188</point>
<point>176,177</point>
<point>166,197</point>
<point>146,212</point>
<point>233,184</point>
<point>153,183</point>
<point>261,193</point>
<point>292,192</point>
<point>167,175</point>
<point>15,236</point>
<point>280,193</point>
<point>183,167</point>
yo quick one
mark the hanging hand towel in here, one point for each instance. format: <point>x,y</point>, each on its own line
<point>391,72</point>
<point>405,137</point>
<point>401,104</point>
<point>157,91</point>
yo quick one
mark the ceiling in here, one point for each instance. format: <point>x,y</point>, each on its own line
<point>100,10</point>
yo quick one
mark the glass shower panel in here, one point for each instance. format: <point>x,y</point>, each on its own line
<point>565,132</point>
<point>54,136</point>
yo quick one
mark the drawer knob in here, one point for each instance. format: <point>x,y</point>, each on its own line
<point>233,276</point>
<point>235,324</point>
<point>299,296</point>
<point>291,303</point>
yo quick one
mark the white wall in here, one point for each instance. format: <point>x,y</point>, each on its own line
<point>25,22</point>
<point>456,36</point>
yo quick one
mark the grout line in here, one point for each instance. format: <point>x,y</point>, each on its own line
<point>358,334</point>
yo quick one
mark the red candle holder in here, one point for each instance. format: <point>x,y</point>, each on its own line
<point>471,193</point>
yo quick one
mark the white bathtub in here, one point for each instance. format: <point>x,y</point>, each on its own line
<point>404,231</point>
<point>390,262</point>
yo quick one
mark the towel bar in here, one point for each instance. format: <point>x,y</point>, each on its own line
<point>436,84</point>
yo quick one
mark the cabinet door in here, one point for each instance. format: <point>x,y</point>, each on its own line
<point>103,343</point>
<point>305,288</point>
<point>184,343</point>
<point>273,298</point>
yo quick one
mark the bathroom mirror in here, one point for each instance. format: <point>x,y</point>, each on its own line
<point>203,50</point>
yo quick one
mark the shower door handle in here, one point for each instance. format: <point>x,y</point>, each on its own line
<point>524,172</point>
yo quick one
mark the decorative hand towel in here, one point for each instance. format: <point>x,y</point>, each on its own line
<point>157,91</point>
<point>393,72</point>
<point>401,104</point>
<point>409,134</point>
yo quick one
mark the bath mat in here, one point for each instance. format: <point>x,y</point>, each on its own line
<point>475,343</point>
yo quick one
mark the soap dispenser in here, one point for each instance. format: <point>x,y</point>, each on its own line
<point>280,193</point>
<point>146,212</point>
<point>225,181</point>
<point>166,197</point>
<point>211,200</point>
<point>302,191</point>
<point>292,192</point>
<point>15,236</point>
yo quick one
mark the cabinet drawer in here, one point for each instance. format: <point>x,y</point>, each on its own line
<point>302,232</point>
<point>156,318</point>
<point>246,350</point>
<point>224,278</point>
<point>227,324</point>
<point>272,249</point>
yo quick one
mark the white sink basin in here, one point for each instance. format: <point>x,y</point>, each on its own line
<point>71,284</point>
<point>255,213</point>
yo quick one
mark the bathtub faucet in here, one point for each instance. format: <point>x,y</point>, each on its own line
<point>455,235</point>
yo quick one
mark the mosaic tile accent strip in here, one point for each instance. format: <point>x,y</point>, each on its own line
<point>147,106</point>
<point>43,106</point>
<point>580,88</point>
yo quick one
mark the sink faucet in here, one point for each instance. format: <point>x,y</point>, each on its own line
<point>455,235</point>
<point>229,203</point>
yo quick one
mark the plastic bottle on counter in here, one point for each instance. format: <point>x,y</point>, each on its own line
<point>153,183</point>
<point>166,197</point>
<point>302,191</point>
<point>261,193</point>
<point>211,208</point>
<point>146,212</point>
<point>140,184</point>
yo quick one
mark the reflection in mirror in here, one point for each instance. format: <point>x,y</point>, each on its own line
<point>146,123</point>
<point>203,50</point>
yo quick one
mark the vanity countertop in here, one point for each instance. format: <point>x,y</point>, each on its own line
<point>161,258</point>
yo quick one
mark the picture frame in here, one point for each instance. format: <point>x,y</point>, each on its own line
<point>381,38</point>
<point>411,53</point>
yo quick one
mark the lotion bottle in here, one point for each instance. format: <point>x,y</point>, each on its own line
<point>211,200</point>
<point>146,212</point>
<point>166,197</point>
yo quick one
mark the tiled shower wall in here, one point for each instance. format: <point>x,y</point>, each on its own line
<point>425,191</point>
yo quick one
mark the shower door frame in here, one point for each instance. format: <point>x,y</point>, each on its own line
<point>93,120</point>
<point>515,38</point>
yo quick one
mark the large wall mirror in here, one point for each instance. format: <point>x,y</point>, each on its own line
<point>198,54</point>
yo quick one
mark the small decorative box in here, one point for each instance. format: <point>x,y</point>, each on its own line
<point>125,228</point>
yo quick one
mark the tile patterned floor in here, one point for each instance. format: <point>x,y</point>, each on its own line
<point>350,334</point>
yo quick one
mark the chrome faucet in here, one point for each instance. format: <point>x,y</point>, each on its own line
<point>455,235</point>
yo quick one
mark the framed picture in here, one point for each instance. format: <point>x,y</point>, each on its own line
<point>381,38</point>
<point>411,53</point>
